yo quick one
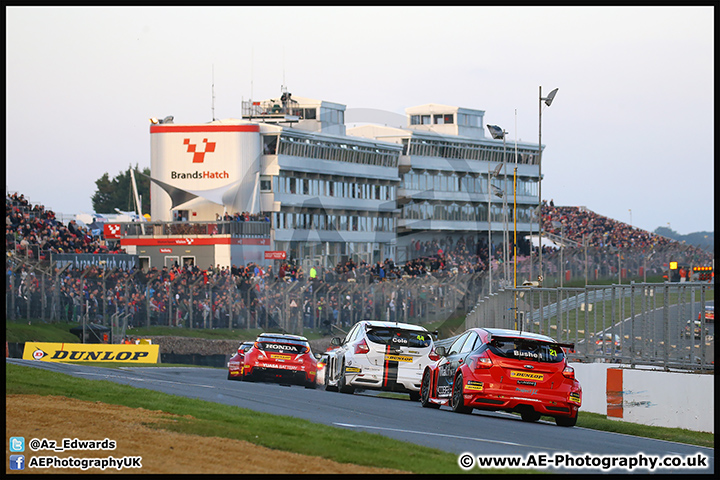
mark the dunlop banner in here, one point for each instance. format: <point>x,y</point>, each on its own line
<point>90,352</point>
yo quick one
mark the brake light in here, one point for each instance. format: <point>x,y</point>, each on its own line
<point>362,347</point>
<point>569,372</point>
<point>433,356</point>
<point>481,361</point>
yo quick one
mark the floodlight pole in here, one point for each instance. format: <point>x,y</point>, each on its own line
<point>515,259</point>
<point>540,259</point>
<point>548,101</point>
<point>506,233</point>
<point>496,133</point>
<point>489,233</point>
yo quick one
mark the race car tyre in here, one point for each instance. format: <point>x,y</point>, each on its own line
<point>328,387</point>
<point>566,421</point>
<point>530,416</point>
<point>414,396</point>
<point>425,391</point>
<point>342,388</point>
<point>457,401</point>
<point>310,385</point>
<point>229,377</point>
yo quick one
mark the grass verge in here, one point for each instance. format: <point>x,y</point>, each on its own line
<point>216,420</point>
<point>596,421</point>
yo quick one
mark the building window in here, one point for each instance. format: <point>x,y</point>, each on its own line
<point>266,184</point>
<point>270,144</point>
<point>443,119</point>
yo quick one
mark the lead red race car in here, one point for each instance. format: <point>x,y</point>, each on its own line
<point>504,370</point>
<point>282,358</point>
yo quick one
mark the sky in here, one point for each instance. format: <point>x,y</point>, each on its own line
<point>629,134</point>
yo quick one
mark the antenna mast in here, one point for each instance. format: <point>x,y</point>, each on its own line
<point>213,92</point>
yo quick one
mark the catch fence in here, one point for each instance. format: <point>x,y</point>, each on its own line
<point>663,324</point>
<point>636,322</point>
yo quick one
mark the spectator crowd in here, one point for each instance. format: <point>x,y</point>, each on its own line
<point>247,296</point>
<point>31,230</point>
<point>578,223</point>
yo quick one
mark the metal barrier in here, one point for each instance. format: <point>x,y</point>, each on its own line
<point>644,323</point>
<point>659,324</point>
<point>221,300</point>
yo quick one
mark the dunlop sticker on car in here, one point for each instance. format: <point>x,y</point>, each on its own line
<point>352,370</point>
<point>575,397</point>
<point>398,358</point>
<point>281,357</point>
<point>473,385</point>
<point>527,375</point>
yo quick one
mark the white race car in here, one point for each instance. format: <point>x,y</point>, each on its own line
<point>377,355</point>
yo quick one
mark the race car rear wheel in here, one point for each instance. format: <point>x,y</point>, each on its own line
<point>530,415</point>
<point>425,391</point>
<point>457,400</point>
<point>342,388</point>
<point>566,421</point>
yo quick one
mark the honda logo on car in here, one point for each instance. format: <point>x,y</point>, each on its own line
<point>277,346</point>
<point>81,352</point>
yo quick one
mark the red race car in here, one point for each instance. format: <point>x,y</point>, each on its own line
<point>235,364</point>
<point>506,370</point>
<point>286,359</point>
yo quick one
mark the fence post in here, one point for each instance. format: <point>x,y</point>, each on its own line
<point>13,313</point>
<point>28,297</point>
<point>666,326</point>
<point>42,296</point>
<point>703,359</point>
<point>104,296</point>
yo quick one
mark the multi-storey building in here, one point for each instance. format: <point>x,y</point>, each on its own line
<point>370,192</point>
<point>451,176</point>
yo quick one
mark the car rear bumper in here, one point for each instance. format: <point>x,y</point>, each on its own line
<point>380,380</point>
<point>545,404</point>
<point>284,373</point>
